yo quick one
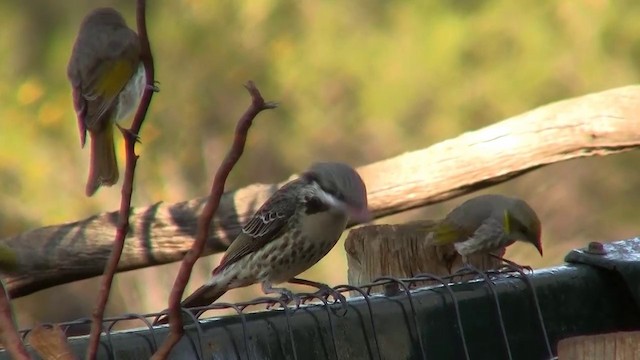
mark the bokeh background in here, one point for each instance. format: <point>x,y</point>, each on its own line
<point>357,81</point>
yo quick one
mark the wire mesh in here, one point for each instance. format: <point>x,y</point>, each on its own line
<point>284,318</point>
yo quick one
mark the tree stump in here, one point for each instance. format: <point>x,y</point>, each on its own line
<point>614,346</point>
<point>400,251</point>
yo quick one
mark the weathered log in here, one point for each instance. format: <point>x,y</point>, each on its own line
<point>598,124</point>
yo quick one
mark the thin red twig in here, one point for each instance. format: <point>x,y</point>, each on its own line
<point>217,188</point>
<point>8,332</point>
<point>130,138</point>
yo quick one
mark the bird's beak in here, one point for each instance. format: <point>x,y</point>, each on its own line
<point>538,246</point>
<point>359,215</point>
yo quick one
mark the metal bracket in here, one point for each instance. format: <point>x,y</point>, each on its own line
<point>622,257</point>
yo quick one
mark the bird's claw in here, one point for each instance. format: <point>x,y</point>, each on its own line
<point>325,291</point>
<point>129,134</point>
<point>526,269</point>
<point>154,87</point>
<point>286,296</point>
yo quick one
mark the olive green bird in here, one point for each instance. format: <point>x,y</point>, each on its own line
<point>108,79</point>
<point>485,225</point>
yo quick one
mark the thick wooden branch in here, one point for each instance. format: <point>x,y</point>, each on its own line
<point>597,124</point>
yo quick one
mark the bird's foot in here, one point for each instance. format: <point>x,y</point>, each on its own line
<point>526,269</point>
<point>324,291</point>
<point>154,87</point>
<point>468,272</point>
<point>286,296</point>
<point>512,266</point>
<point>129,134</point>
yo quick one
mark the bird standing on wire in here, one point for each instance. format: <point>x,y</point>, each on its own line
<point>107,78</point>
<point>295,228</point>
<point>487,224</point>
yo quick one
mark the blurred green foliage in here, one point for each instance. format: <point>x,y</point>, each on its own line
<point>357,81</point>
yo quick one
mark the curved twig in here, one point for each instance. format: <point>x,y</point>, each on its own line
<point>217,188</point>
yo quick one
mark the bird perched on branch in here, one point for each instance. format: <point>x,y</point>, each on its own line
<point>486,224</point>
<point>107,78</point>
<point>295,228</point>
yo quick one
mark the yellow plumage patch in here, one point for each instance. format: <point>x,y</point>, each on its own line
<point>444,233</point>
<point>114,78</point>
<point>506,223</point>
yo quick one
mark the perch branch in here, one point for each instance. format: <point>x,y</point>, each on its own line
<point>130,139</point>
<point>598,124</point>
<point>204,220</point>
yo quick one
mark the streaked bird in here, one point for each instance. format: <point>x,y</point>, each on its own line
<point>295,228</point>
<point>107,78</point>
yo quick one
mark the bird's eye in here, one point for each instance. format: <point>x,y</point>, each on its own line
<point>315,205</point>
<point>336,194</point>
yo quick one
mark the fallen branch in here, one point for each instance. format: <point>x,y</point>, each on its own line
<point>599,124</point>
<point>130,139</point>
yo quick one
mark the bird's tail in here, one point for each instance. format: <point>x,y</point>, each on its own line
<point>437,232</point>
<point>203,296</point>
<point>103,169</point>
<point>441,235</point>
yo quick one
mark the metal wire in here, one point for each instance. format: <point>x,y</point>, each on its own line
<point>325,302</point>
<point>367,300</point>
<point>405,288</point>
<point>455,307</point>
<point>130,316</point>
<point>288,320</point>
<point>536,304</point>
<point>497,303</point>
<point>413,308</point>
<point>245,328</point>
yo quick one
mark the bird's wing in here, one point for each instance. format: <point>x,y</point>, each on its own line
<point>267,224</point>
<point>103,87</point>
<point>113,67</point>
<point>491,230</point>
<point>80,104</point>
<point>489,237</point>
<point>446,232</point>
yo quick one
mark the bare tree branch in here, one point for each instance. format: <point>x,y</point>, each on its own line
<point>130,139</point>
<point>204,220</point>
<point>598,124</point>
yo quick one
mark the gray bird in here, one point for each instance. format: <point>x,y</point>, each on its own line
<point>292,231</point>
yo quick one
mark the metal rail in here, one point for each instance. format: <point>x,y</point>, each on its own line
<point>508,314</point>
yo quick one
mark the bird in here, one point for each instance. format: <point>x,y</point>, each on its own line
<point>107,79</point>
<point>487,224</point>
<point>295,228</point>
